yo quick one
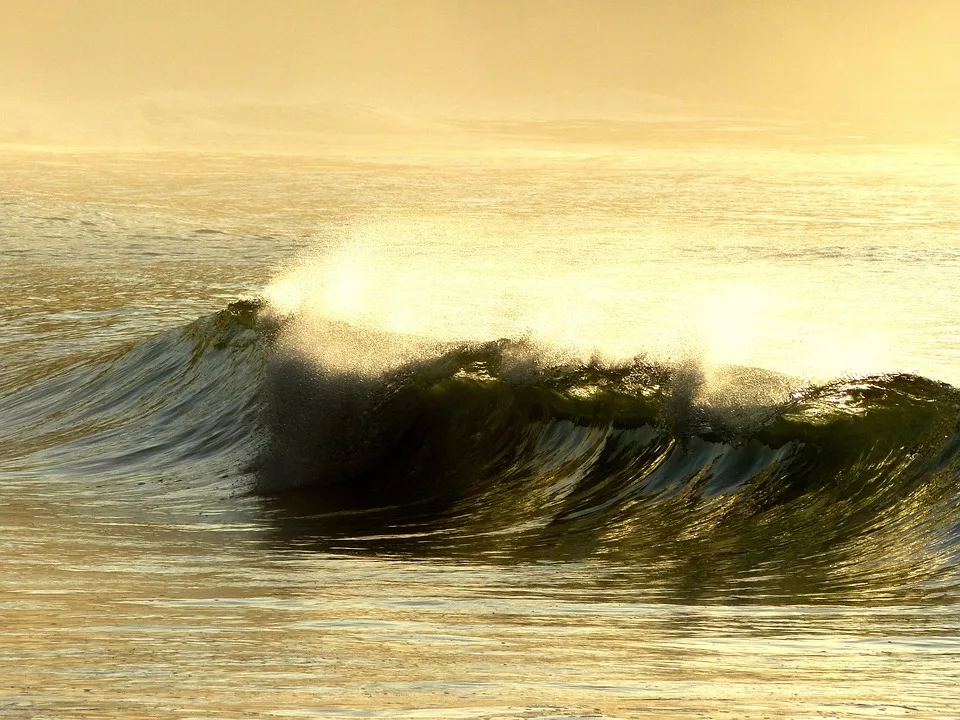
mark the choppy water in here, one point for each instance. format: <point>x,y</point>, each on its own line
<point>659,433</point>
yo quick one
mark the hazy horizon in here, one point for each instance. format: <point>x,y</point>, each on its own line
<point>887,64</point>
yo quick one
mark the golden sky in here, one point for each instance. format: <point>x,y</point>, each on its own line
<point>891,62</point>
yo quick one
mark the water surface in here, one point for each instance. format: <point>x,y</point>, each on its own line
<point>569,432</point>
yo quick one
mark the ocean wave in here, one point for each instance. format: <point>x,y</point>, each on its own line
<point>496,448</point>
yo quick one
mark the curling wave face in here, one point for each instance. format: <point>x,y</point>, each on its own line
<point>180,407</point>
<point>496,450</point>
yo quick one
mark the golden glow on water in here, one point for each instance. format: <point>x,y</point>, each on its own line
<point>139,619</point>
<point>715,184</point>
<point>117,610</point>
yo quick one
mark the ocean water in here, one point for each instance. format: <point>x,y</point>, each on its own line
<point>513,431</point>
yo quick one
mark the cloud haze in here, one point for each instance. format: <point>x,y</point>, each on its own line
<point>886,62</point>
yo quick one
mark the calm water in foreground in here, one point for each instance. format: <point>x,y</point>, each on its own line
<point>714,473</point>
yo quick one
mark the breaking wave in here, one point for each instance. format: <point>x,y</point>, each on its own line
<point>496,449</point>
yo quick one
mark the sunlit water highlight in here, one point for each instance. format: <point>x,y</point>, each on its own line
<point>143,579</point>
